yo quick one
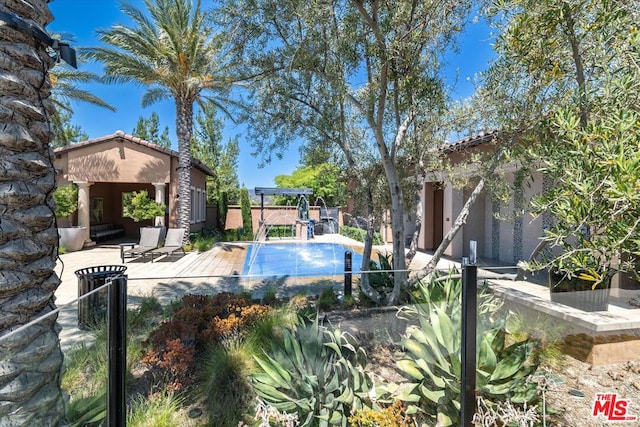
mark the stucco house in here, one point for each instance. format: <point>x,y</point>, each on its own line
<point>505,231</point>
<point>105,168</point>
<point>506,240</point>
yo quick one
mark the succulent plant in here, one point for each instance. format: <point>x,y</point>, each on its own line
<point>430,359</point>
<point>312,370</point>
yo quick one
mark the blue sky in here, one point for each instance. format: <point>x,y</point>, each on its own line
<point>83,17</point>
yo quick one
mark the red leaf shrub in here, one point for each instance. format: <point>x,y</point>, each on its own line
<point>199,321</point>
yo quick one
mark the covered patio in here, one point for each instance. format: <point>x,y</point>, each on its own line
<point>106,168</point>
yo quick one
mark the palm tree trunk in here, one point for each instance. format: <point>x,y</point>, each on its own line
<point>30,360</point>
<point>184,129</point>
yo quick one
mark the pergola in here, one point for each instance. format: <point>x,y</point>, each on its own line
<point>279,192</point>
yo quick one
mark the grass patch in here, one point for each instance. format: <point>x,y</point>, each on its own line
<point>224,382</point>
<point>158,410</point>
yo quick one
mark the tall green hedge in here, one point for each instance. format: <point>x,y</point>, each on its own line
<point>359,234</point>
<point>223,207</point>
<point>245,206</point>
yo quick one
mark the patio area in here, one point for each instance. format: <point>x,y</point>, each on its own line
<point>598,338</point>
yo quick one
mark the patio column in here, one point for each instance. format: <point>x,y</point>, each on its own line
<point>452,201</point>
<point>83,209</point>
<point>160,186</point>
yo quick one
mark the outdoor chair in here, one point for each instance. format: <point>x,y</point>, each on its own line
<point>150,238</point>
<point>172,243</point>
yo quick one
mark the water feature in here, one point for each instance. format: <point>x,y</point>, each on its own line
<point>329,223</point>
<point>292,215</point>
<point>358,222</point>
<point>272,220</point>
<point>297,259</point>
<point>303,208</point>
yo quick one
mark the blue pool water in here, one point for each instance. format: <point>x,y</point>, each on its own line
<point>298,259</point>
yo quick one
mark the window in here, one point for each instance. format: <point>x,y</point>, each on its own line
<point>203,205</point>
<point>193,206</point>
<point>198,205</point>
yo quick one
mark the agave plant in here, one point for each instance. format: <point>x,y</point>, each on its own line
<point>431,354</point>
<point>312,370</point>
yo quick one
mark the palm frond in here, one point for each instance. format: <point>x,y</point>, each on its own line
<point>64,80</point>
<point>154,95</point>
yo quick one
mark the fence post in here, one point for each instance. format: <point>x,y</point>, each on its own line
<point>117,349</point>
<point>347,273</point>
<point>468,351</point>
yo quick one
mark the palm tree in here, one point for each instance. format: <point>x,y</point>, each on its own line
<point>30,358</point>
<point>172,50</point>
<point>65,81</point>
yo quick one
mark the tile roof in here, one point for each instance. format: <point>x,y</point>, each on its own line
<point>127,137</point>
<point>470,141</point>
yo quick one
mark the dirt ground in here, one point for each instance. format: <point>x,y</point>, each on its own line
<point>571,391</point>
<point>578,384</point>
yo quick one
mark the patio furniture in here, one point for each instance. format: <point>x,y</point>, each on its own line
<point>150,238</point>
<point>105,231</point>
<point>172,243</point>
<point>125,245</point>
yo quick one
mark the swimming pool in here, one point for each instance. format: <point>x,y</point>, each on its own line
<point>298,259</point>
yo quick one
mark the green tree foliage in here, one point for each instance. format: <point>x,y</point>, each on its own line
<point>221,158</point>
<point>173,50</point>
<point>66,198</point>
<point>149,130</point>
<point>64,131</point>
<point>323,179</point>
<point>66,81</point>
<point>568,78</point>
<point>139,207</point>
<point>245,207</point>
<point>359,77</point>
<point>223,208</point>
<point>65,88</point>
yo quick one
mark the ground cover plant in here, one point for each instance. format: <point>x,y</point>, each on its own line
<point>314,372</point>
<point>238,362</point>
<point>431,351</point>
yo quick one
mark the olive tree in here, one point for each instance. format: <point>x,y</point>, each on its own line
<point>566,81</point>
<point>361,76</point>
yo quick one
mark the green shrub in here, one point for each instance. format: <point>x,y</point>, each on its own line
<point>550,334</point>
<point>327,299</point>
<point>66,199</point>
<point>90,411</point>
<point>146,314</point>
<point>139,207</point>
<point>359,234</point>
<point>203,244</point>
<point>223,207</point>
<point>158,410</point>
<point>391,416</point>
<point>85,377</point>
<point>313,371</point>
<point>270,295</point>
<point>432,347</point>
<point>224,383</point>
<point>197,323</point>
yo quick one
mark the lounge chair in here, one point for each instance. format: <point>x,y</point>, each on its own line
<point>150,238</point>
<point>172,243</point>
